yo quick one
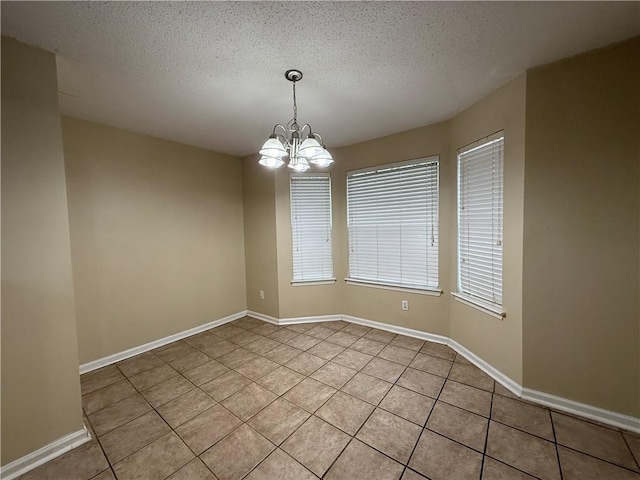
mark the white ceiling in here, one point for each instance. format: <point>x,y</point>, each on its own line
<point>210,74</point>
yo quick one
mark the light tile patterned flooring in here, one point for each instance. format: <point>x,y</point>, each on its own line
<point>330,400</point>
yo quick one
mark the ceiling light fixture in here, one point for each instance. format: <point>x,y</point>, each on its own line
<point>287,143</point>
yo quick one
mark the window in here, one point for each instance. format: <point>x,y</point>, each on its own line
<point>393,224</point>
<point>480,172</point>
<point>311,228</point>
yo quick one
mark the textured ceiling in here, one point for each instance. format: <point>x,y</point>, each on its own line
<point>210,74</point>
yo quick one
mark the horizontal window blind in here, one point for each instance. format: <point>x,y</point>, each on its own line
<point>393,224</point>
<point>311,227</point>
<point>480,216</point>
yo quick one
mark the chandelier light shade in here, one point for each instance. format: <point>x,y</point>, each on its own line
<point>285,142</point>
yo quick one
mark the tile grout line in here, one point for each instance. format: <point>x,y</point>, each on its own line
<point>486,438</point>
<point>424,426</point>
<point>557,444</point>
<point>631,452</point>
<point>102,450</point>
<point>599,459</point>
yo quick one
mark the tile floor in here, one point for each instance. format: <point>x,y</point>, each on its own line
<point>327,400</point>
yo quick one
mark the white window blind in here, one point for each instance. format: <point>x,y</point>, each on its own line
<point>393,224</point>
<point>311,227</point>
<point>480,205</point>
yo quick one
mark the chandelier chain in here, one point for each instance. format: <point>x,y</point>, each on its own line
<point>295,107</point>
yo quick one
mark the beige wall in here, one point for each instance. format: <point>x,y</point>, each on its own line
<point>303,301</point>
<point>260,237</point>
<point>426,313</point>
<point>157,236</point>
<point>581,312</point>
<point>499,342</point>
<point>40,384</point>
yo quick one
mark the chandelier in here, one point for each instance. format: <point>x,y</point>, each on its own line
<point>285,141</point>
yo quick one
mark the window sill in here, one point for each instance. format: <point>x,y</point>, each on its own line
<point>310,283</point>
<point>420,291</point>
<point>492,310</point>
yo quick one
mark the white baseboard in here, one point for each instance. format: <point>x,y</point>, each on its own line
<point>263,317</point>
<point>507,382</point>
<point>319,318</point>
<point>116,357</point>
<point>409,332</point>
<point>293,320</point>
<point>42,455</point>
<point>601,415</point>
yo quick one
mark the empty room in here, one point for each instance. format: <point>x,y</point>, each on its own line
<point>320,240</point>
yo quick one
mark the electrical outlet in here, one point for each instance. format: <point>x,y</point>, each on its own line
<point>261,294</point>
<point>405,304</point>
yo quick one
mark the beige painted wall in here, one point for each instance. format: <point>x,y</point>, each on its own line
<point>157,236</point>
<point>302,301</point>
<point>499,342</point>
<point>426,313</point>
<point>40,383</point>
<point>260,237</point>
<point>581,312</point>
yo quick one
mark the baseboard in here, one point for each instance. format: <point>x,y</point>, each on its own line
<point>263,317</point>
<point>318,318</point>
<point>507,382</point>
<point>409,332</point>
<point>601,415</point>
<point>606,417</point>
<point>117,357</point>
<point>293,320</point>
<point>42,455</point>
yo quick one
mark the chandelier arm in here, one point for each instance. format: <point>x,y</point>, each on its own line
<point>281,126</point>
<point>316,134</point>
<point>306,125</point>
